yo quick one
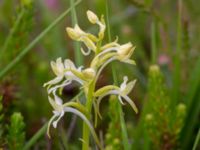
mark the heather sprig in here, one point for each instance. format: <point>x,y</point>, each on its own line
<point>16,133</point>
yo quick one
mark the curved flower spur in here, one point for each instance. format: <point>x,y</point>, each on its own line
<point>66,72</point>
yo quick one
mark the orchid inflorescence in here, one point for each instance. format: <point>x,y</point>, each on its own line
<point>66,72</point>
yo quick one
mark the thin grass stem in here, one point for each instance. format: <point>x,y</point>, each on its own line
<point>196,140</point>
<point>13,30</point>
<point>36,137</point>
<point>177,61</point>
<point>153,42</point>
<point>78,55</point>
<point>126,144</point>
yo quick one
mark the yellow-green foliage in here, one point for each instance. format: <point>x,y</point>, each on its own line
<point>162,124</point>
<point>1,122</point>
<point>16,134</point>
<point>113,136</point>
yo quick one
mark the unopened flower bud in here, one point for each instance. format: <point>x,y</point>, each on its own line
<point>181,109</point>
<point>154,68</point>
<point>125,49</point>
<point>92,17</point>
<point>124,53</point>
<point>72,33</point>
<point>88,43</point>
<point>89,73</point>
<point>149,117</point>
<point>75,33</point>
<point>116,141</point>
<point>26,2</point>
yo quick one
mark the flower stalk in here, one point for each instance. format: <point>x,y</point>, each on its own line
<point>86,132</point>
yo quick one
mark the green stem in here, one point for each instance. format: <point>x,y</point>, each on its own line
<point>119,108</point>
<point>34,139</point>
<point>86,131</point>
<point>35,41</point>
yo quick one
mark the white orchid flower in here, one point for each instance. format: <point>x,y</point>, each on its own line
<point>78,34</point>
<point>60,109</point>
<point>121,91</point>
<point>58,69</point>
<point>62,70</point>
<point>115,51</point>
<point>71,73</point>
<point>125,52</point>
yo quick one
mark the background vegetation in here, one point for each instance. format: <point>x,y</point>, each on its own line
<point>166,34</point>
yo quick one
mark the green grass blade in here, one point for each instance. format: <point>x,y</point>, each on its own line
<point>153,41</point>
<point>193,106</point>
<point>78,54</point>
<point>196,140</point>
<point>35,41</point>
<point>122,121</point>
<point>177,61</point>
<point>34,139</point>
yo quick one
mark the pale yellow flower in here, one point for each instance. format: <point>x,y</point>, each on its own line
<point>58,69</point>
<point>73,107</point>
<point>121,91</point>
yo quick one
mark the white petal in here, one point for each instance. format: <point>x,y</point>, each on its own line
<point>57,67</point>
<point>116,92</point>
<point>54,81</point>
<point>53,103</point>
<point>107,50</point>
<point>58,100</point>
<point>56,113</point>
<point>66,82</point>
<point>123,85</point>
<point>80,68</point>
<point>56,122</point>
<point>130,102</point>
<point>129,61</point>
<point>49,124</point>
<point>129,87</point>
<point>69,64</point>
<point>59,64</point>
<point>120,99</point>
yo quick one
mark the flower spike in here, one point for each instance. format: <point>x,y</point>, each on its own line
<point>66,72</point>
